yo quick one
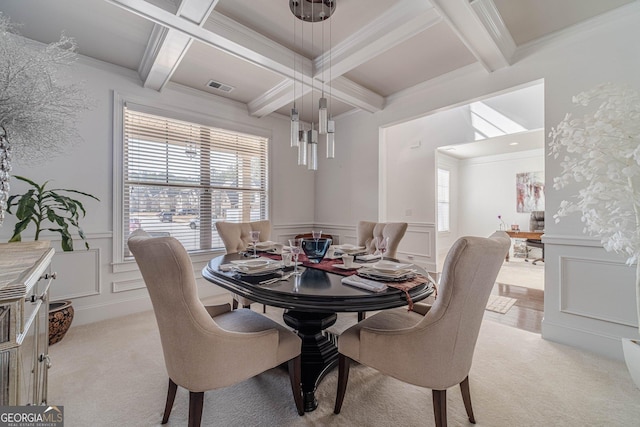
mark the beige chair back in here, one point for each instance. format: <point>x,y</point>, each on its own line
<point>368,231</point>
<point>198,354</point>
<point>235,235</point>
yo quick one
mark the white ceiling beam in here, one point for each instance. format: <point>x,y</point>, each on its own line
<point>490,17</point>
<point>471,31</point>
<point>275,98</point>
<point>404,20</point>
<point>167,47</point>
<point>242,42</point>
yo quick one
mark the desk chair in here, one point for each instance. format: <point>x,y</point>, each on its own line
<point>536,223</point>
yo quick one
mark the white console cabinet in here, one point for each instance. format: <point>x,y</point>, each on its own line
<point>25,277</point>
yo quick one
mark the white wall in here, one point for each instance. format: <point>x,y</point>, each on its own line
<point>575,312</point>
<point>100,288</point>
<point>488,189</point>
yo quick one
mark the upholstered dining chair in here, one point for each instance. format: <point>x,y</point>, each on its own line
<point>431,346</point>
<point>368,231</point>
<point>236,238</point>
<point>201,345</point>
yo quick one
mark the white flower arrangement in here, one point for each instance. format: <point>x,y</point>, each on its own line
<point>37,112</point>
<point>601,151</point>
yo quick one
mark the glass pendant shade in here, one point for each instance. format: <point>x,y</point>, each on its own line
<point>295,127</point>
<point>331,139</point>
<point>302,148</point>
<point>313,157</point>
<point>312,140</point>
<point>322,116</point>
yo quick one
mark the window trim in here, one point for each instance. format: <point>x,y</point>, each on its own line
<point>448,230</point>
<point>119,262</point>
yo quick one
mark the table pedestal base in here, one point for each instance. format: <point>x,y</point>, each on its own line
<point>319,354</point>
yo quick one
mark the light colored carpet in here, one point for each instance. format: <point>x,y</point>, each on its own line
<point>500,304</point>
<point>112,373</point>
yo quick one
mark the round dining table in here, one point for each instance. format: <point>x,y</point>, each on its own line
<point>311,301</point>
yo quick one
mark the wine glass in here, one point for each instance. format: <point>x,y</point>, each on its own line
<point>316,236</point>
<point>381,245</point>
<point>254,235</point>
<point>296,248</point>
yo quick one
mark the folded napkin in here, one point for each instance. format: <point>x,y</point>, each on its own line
<point>360,282</point>
<point>226,267</point>
<point>368,257</point>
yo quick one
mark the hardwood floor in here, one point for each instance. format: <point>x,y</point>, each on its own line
<point>526,313</point>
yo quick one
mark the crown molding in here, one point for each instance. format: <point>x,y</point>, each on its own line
<point>578,31</point>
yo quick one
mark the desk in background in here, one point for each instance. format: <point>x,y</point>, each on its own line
<point>535,235</point>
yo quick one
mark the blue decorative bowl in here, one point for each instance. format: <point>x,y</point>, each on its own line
<point>315,249</point>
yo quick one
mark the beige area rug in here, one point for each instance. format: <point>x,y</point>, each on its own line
<point>520,273</point>
<point>500,304</point>
<point>112,373</point>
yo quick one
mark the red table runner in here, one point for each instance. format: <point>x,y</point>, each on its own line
<point>327,265</point>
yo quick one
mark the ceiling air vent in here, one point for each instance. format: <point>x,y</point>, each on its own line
<point>219,86</point>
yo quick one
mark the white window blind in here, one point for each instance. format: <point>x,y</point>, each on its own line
<point>443,200</point>
<point>180,178</point>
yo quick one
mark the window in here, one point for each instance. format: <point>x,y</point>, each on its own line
<point>180,178</point>
<point>443,200</point>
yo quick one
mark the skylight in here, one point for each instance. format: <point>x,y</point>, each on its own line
<point>489,123</point>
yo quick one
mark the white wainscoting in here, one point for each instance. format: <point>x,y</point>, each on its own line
<point>417,245</point>
<point>78,274</point>
<point>582,278</point>
<point>589,299</point>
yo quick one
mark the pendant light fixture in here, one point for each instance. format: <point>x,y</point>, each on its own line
<point>295,118</point>
<point>307,141</point>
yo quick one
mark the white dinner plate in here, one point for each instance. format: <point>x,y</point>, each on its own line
<point>390,266</point>
<point>253,264</point>
<point>354,266</point>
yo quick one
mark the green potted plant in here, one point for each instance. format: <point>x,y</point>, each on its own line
<point>51,210</point>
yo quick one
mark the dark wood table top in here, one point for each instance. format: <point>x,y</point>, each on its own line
<point>318,290</point>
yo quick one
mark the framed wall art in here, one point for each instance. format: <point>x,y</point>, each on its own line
<point>529,191</point>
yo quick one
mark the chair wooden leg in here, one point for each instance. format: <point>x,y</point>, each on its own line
<point>343,377</point>
<point>234,304</point>
<point>196,399</point>
<point>171,396</point>
<point>264,308</point>
<point>466,398</point>
<point>440,407</point>
<point>295,377</point>
<point>362,315</point>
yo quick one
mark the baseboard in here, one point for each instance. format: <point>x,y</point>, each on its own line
<point>85,314</point>
<point>609,346</point>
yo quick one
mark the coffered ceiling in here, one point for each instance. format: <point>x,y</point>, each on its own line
<point>380,48</point>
